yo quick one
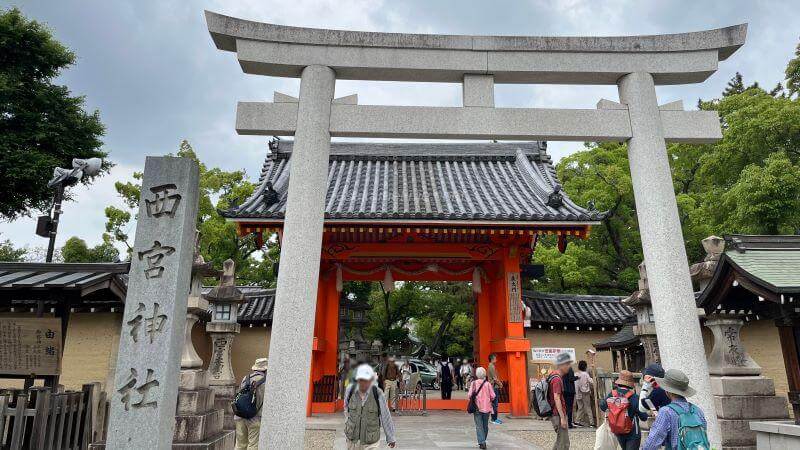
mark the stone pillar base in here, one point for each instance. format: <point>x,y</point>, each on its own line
<point>739,401</point>
<point>776,435</point>
<point>223,396</point>
<point>198,420</point>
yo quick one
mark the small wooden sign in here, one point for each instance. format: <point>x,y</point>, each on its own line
<point>30,346</point>
<point>514,298</point>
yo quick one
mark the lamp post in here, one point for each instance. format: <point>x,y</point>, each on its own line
<point>47,226</point>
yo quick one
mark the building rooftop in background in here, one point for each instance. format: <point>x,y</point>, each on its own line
<point>755,275</point>
<point>70,284</point>
<point>424,182</point>
<point>575,311</point>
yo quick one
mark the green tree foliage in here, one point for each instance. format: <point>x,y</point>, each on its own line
<point>444,310</point>
<point>746,183</point>
<point>793,73</point>
<point>41,125</point>
<point>9,253</point>
<point>765,199</point>
<point>75,250</point>
<point>607,260</point>
<point>392,312</point>
<point>219,190</point>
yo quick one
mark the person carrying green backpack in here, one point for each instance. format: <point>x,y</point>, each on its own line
<point>679,425</point>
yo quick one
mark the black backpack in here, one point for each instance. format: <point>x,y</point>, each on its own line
<point>374,394</point>
<point>244,402</point>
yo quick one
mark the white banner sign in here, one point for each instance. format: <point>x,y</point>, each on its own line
<point>550,353</point>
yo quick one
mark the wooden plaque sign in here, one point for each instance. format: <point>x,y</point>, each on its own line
<point>514,298</point>
<point>30,346</point>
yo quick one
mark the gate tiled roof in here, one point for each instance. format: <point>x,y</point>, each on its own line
<point>421,181</point>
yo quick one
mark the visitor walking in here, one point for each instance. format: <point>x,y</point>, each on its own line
<point>569,394</point>
<point>391,376</point>
<point>248,428</point>
<point>555,397</point>
<point>481,392</point>
<point>459,378</point>
<point>466,373</point>
<point>405,374</point>
<point>366,412</point>
<point>447,376</point>
<point>679,424</point>
<point>653,397</point>
<point>622,412</point>
<point>492,376</point>
<point>583,396</point>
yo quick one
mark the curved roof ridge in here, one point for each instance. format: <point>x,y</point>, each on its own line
<point>489,181</point>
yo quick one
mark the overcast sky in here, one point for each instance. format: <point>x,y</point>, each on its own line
<point>151,69</point>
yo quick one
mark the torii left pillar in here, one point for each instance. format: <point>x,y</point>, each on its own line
<point>286,389</point>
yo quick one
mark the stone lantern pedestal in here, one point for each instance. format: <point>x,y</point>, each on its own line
<point>198,421</point>
<point>741,394</point>
<point>224,301</point>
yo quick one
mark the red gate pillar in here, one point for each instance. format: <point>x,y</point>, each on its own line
<point>509,340</point>
<point>483,324</point>
<point>325,349</point>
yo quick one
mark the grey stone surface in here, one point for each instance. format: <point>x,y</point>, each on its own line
<point>220,368</point>
<point>736,432</point>
<point>198,427</point>
<point>753,385</point>
<point>478,90</point>
<point>196,306</point>
<point>222,401</point>
<point>286,388</point>
<point>145,390</point>
<point>431,122</point>
<point>728,355</point>
<point>679,336</point>
<point>278,50</point>
<point>193,379</point>
<point>222,441</point>
<point>776,435</point>
<point>195,401</point>
<point>751,407</point>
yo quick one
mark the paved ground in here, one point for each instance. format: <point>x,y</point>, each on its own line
<point>454,430</point>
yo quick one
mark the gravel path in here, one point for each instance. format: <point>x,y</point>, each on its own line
<point>320,439</point>
<point>546,439</point>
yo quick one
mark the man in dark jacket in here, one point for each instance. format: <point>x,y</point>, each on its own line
<point>569,394</point>
<point>652,394</point>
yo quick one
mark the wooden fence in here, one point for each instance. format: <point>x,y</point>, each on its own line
<point>39,419</point>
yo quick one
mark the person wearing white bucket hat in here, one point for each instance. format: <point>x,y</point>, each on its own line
<point>366,412</point>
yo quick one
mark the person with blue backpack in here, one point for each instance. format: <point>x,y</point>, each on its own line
<point>679,425</point>
<point>247,405</point>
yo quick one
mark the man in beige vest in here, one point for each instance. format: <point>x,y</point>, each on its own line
<point>366,412</point>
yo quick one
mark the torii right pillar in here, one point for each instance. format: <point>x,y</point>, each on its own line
<point>677,326</point>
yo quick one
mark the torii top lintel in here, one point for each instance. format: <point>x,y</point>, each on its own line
<point>277,50</point>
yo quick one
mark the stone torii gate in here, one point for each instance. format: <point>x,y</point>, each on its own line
<point>636,64</point>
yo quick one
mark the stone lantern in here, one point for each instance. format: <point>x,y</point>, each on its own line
<point>224,301</point>
<point>645,327</point>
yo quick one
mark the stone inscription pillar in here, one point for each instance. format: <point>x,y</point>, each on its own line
<point>145,389</point>
<point>283,426</point>
<point>677,326</point>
